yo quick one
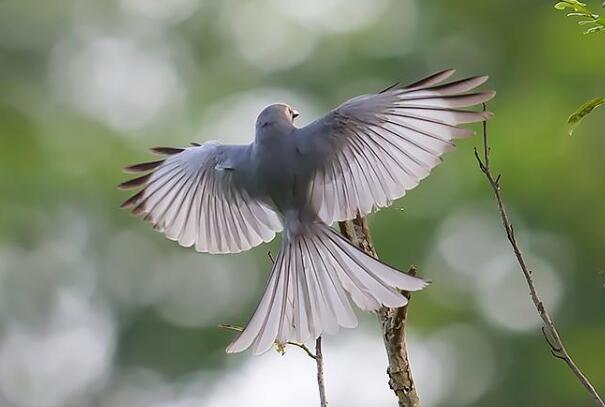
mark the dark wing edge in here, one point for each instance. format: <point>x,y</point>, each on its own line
<point>191,195</point>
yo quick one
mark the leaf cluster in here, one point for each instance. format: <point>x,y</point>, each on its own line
<point>574,8</point>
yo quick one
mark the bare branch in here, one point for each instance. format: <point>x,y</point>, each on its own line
<point>549,329</point>
<point>393,321</point>
<point>319,361</point>
<point>304,348</point>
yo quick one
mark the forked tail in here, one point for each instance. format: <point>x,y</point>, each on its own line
<point>315,273</point>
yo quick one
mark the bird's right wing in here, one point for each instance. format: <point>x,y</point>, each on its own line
<point>373,148</point>
<point>194,197</point>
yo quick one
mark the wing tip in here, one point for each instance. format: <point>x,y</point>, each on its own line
<point>142,167</point>
<point>485,96</point>
<point>135,182</point>
<point>128,203</point>
<point>480,79</point>
<point>487,115</point>
<point>445,73</point>
<point>432,79</point>
<point>166,150</point>
<point>491,93</point>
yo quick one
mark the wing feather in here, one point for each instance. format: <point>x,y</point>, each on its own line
<point>195,197</point>
<point>373,148</point>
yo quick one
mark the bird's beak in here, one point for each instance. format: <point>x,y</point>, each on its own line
<point>295,114</point>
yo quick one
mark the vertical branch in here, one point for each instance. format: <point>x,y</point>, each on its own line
<point>399,370</point>
<point>549,329</point>
<point>392,320</point>
<point>319,361</point>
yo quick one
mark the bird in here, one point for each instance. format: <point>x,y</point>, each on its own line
<point>356,159</point>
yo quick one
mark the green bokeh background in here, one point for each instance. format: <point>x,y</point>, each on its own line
<point>60,160</point>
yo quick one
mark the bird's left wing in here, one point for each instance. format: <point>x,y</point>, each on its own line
<point>195,196</point>
<point>373,148</point>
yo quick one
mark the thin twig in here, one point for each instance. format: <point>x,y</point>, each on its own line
<point>549,329</point>
<point>393,321</point>
<point>305,348</point>
<point>319,361</point>
<point>280,346</point>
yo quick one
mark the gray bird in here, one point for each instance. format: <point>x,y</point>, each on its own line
<point>356,159</point>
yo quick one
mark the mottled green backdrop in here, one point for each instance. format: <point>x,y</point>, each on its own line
<point>96,309</point>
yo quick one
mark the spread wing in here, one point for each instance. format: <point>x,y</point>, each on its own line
<point>373,148</point>
<point>195,196</point>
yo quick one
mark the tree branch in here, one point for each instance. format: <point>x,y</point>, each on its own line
<point>549,329</point>
<point>319,361</point>
<point>393,322</point>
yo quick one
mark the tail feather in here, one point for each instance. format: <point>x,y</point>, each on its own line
<point>332,291</point>
<point>380,270</point>
<point>307,291</point>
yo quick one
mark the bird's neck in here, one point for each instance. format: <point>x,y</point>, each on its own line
<point>273,133</point>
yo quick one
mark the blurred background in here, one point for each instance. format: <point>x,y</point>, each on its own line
<point>96,309</point>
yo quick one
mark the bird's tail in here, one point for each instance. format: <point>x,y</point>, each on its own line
<point>313,277</point>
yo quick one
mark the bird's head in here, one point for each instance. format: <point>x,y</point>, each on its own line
<point>279,116</point>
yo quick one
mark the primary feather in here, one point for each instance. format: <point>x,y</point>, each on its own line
<point>372,149</point>
<point>194,197</point>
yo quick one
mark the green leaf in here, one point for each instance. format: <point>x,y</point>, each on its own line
<point>573,5</point>
<point>582,111</point>
<point>569,3</point>
<point>575,8</point>
<point>562,5</point>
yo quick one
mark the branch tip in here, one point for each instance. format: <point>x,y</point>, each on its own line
<point>549,329</point>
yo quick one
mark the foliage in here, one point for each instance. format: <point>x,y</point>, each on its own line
<point>582,111</point>
<point>594,22</point>
<point>86,86</point>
